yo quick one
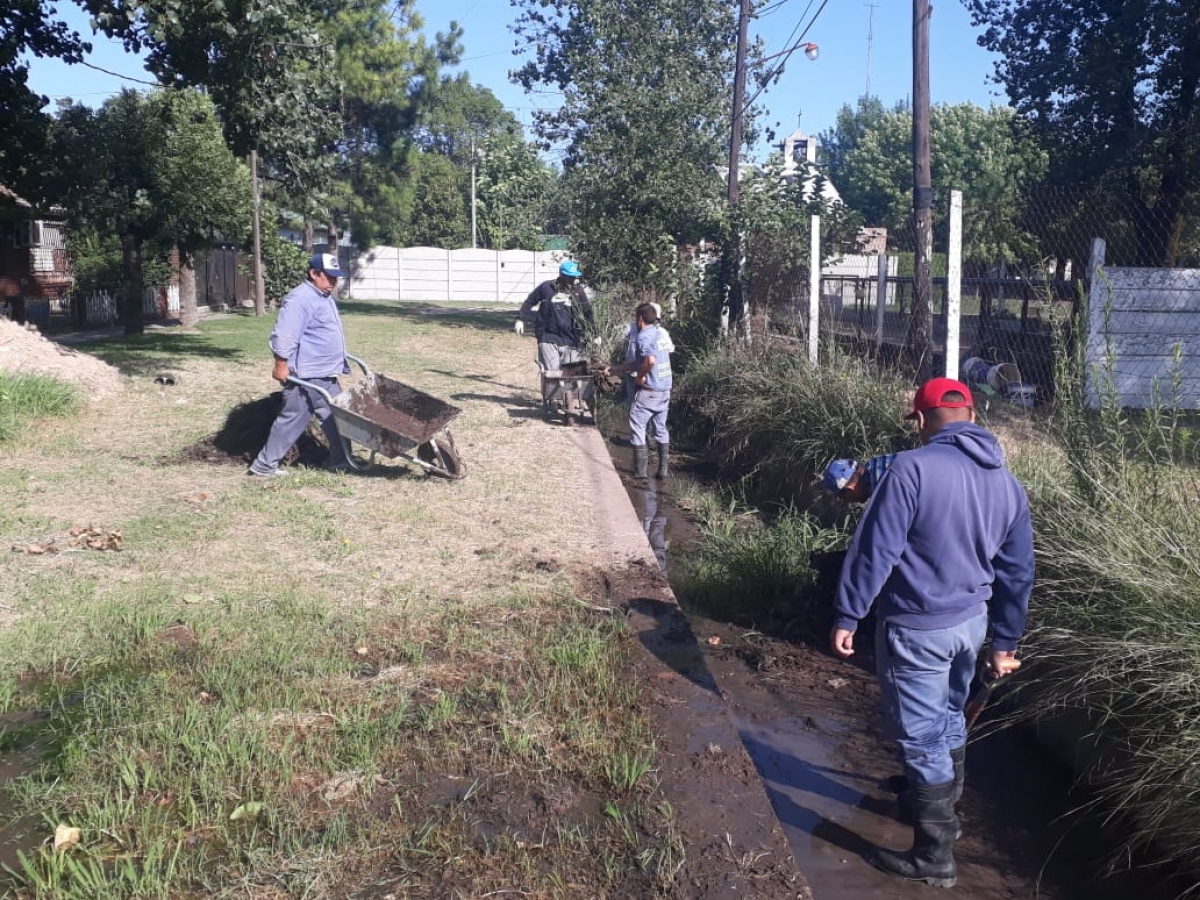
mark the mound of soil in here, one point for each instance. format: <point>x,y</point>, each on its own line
<point>244,433</point>
<point>23,349</point>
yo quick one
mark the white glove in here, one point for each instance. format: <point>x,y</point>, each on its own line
<point>518,327</point>
<point>597,340</point>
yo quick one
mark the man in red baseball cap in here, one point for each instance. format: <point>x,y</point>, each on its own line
<point>945,550</point>
<point>941,393</point>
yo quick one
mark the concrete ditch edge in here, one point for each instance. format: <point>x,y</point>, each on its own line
<point>734,842</point>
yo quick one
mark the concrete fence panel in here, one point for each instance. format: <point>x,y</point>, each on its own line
<point>448,276</point>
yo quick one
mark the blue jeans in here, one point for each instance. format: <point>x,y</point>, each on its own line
<point>924,680</point>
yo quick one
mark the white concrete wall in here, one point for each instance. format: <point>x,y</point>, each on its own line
<point>448,276</point>
<point>1145,317</point>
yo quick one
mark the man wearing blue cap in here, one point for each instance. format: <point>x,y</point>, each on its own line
<point>308,342</point>
<point>563,310</point>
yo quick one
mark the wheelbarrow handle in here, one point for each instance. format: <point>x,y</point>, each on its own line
<point>367,373</point>
<point>292,379</point>
<point>361,364</point>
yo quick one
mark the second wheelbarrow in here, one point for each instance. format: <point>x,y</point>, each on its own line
<point>393,420</point>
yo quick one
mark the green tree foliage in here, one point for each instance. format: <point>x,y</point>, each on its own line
<point>266,64</point>
<point>1112,88</point>
<point>989,155</point>
<point>27,27</point>
<point>439,216</point>
<point>459,115</point>
<point>151,169</point>
<point>388,76</point>
<point>285,265</point>
<point>512,193</point>
<point>644,119</point>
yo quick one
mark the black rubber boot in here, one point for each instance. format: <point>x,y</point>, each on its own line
<point>663,463</point>
<point>931,858</point>
<point>958,756</point>
<point>641,457</point>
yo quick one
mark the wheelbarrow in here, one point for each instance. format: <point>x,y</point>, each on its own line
<point>392,420</point>
<point>574,389</point>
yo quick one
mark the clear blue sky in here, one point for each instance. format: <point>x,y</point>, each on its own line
<point>812,91</point>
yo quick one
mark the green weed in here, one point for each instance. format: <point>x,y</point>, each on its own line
<point>26,397</point>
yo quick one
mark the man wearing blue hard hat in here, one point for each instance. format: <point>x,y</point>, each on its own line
<point>308,342</point>
<point>563,314</point>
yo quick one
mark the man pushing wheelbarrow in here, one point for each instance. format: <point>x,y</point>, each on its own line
<point>562,319</point>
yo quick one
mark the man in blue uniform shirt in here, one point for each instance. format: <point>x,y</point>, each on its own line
<point>308,343</point>
<point>945,548</point>
<point>651,369</point>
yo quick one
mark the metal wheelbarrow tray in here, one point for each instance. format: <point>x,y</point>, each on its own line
<point>392,419</point>
<point>576,391</point>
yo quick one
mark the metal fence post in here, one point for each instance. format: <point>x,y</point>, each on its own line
<point>954,286</point>
<point>881,299</point>
<point>814,289</point>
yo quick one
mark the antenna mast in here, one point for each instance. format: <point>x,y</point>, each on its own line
<point>870,44</point>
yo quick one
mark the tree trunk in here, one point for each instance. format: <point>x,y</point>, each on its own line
<point>308,236</point>
<point>189,315</point>
<point>131,284</point>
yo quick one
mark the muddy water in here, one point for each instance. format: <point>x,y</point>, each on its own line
<point>18,835</point>
<point>810,724</point>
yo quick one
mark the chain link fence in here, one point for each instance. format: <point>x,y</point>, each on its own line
<point>1101,278</point>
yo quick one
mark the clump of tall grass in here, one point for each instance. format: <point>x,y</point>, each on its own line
<point>1116,637</point>
<point>747,570</point>
<point>1115,613</point>
<point>773,417</point>
<point>26,397</point>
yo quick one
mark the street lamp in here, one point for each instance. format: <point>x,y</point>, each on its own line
<point>811,50</point>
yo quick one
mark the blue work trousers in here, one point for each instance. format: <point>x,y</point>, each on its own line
<point>649,408</point>
<point>300,404</point>
<point>924,680</point>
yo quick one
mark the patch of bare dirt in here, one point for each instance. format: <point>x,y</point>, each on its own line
<point>245,431</point>
<point>24,349</point>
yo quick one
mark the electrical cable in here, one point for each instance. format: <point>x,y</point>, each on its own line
<point>778,70</point>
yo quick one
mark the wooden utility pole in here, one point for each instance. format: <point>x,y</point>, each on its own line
<point>922,330</point>
<point>731,257</point>
<point>739,102</point>
<point>260,289</point>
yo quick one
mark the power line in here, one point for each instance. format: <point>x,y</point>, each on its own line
<point>84,62</point>
<point>778,69</point>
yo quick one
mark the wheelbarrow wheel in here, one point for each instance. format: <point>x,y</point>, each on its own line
<point>358,464</point>
<point>440,454</point>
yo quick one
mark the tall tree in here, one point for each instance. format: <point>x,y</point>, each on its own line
<point>28,27</point>
<point>389,77</point>
<point>147,167</point>
<point>513,193</point>
<point>1113,89</point>
<point>459,115</point>
<point>644,120</point>
<point>203,189</point>
<point>987,154</point>
<point>439,216</point>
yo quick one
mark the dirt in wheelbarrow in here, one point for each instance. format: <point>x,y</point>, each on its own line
<point>245,431</point>
<point>401,409</point>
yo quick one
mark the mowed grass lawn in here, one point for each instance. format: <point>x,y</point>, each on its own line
<point>323,686</point>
